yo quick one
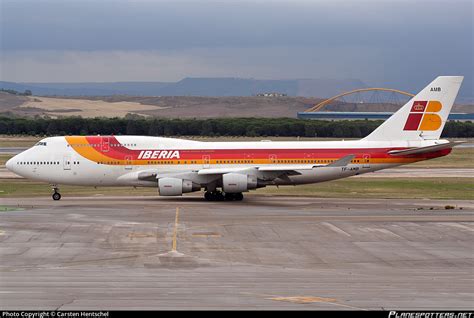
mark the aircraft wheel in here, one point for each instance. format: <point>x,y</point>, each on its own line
<point>234,196</point>
<point>214,196</point>
<point>56,196</point>
<point>229,196</point>
<point>219,196</point>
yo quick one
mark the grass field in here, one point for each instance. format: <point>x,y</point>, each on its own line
<point>393,188</point>
<point>458,158</point>
<point>386,188</point>
<point>18,141</point>
<point>4,158</point>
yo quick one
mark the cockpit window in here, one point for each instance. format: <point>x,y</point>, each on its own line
<point>41,143</point>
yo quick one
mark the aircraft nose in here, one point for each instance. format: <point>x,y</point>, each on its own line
<point>10,164</point>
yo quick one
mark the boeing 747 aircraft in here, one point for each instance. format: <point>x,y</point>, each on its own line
<point>227,169</point>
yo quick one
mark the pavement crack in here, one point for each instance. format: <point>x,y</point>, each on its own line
<point>63,304</point>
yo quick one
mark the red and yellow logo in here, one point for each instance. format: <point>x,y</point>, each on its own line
<point>423,116</point>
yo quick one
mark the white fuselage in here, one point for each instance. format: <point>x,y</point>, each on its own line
<point>65,160</point>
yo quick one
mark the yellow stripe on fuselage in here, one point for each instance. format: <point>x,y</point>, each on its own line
<point>83,148</point>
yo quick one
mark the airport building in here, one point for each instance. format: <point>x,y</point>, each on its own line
<point>369,115</point>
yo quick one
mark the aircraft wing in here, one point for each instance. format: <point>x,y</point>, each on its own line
<point>344,161</point>
<point>267,172</point>
<point>420,150</point>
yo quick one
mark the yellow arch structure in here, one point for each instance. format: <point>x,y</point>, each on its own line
<point>319,106</point>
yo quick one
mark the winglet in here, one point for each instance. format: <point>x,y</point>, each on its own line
<point>344,161</point>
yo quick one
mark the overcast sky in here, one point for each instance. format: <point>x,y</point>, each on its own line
<point>398,43</point>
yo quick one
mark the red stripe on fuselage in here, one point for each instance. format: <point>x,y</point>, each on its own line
<point>120,152</point>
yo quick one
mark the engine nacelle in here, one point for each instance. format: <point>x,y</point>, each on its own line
<point>175,186</point>
<point>236,183</point>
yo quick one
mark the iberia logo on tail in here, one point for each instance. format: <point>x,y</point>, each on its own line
<point>423,116</point>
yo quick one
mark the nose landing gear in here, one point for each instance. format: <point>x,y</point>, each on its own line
<point>56,195</point>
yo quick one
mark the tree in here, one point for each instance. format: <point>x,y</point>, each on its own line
<point>207,129</point>
<point>133,127</point>
<point>52,128</point>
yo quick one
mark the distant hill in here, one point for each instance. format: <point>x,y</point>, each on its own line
<point>86,89</point>
<point>214,87</point>
<point>176,106</point>
<point>165,106</point>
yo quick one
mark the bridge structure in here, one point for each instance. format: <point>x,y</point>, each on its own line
<point>365,103</point>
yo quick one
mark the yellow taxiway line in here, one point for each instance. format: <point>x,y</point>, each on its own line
<point>175,233</point>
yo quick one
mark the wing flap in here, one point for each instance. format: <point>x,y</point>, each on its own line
<point>209,171</point>
<point>286,167</point>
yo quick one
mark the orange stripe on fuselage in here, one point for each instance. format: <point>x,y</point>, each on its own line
<point>87,150</point>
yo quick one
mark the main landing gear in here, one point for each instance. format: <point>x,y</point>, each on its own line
<point>220,196</point>
<point>56,195</point>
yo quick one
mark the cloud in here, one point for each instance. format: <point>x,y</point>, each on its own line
<point>113,65</point>
<point>158,25</point>
<point>397,43</point>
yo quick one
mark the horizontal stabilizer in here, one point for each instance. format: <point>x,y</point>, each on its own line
<point>420,150</point>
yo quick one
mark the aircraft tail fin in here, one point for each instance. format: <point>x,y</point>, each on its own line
<point>424,116</point>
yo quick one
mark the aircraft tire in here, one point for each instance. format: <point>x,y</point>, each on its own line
<point>234,196</point>
<point>239,196</point>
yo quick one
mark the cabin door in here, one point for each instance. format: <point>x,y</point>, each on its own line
<point>206,161</point>
<point>105,144</point>
<point>273,158</point>
<point>128,163</point>
<point>366,161</point>
<point>67,163</point>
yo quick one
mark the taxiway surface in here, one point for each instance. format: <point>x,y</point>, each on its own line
<point>262,253</point>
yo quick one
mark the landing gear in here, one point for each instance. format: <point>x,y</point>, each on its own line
<point>56,194</point>
<point>214,196</point>
<point>219,196</point>
<point>234,196</point>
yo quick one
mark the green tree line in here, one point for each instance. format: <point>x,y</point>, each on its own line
<point>251,127</point>
<point>14,92</point>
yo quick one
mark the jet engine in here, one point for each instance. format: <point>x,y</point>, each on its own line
<point>175,186</point>
<point>236,183</point>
